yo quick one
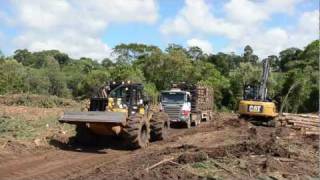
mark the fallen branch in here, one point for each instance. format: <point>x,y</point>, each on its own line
<point>4,145</point>
<point>285,159</point>
<point>223,167</point>
<point>174,163</point>
<point>159,163</point>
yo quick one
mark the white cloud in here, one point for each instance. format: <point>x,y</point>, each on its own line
<point>203,44</point>
<point>176,26</point>
<point>283,6</point>
<point>273,40</point>
<point>196,16</point>
<point>243,23</point>
<point>309,22</point>
<point>76,27</point>
<point>265,43</point>
<point>72,42</point>
<point>245,12</point>
<point>306,30</point>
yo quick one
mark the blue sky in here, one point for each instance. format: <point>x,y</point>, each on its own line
<point>93,28</point>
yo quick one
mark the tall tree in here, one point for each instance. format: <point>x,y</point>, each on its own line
<point>23,56</point>
<point>248,55</point>
<point>288,57</point>
<point>195,53</point>
<point>127,53</point>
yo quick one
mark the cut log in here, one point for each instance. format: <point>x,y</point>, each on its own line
<point>301,115</point>
<point>312,133</point>
<point>306,123</point>
<point>159,163</point>
<point>304,120</point>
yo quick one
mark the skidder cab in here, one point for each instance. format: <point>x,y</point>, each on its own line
<point>123,109</point>
<point>121,97</point>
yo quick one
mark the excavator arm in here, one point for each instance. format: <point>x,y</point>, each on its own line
<point>264,79</point>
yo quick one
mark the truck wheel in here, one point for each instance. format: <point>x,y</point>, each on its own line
<point>196,120</point>
<point>85,136</point>
<point>137,132</point>
<point>188,123</point>
<point>199,121</point>
<point>159,126</point>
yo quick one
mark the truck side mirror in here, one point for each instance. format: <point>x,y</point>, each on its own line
<point>188,99</point>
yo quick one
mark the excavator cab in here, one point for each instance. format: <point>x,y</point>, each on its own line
<point>250,92</point>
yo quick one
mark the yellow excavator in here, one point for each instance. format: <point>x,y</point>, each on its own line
<point>255,105</point>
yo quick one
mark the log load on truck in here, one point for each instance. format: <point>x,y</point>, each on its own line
<point>122,109</point>
<point>188,104</point>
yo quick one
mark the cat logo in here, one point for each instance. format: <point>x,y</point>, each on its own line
<point>255,108</point>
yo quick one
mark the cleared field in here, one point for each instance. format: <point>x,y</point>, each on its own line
<point>225,148</point>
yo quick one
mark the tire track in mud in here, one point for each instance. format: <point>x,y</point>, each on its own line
<point>60,164</point>
<point>55,165</point>
<point>72,164</point>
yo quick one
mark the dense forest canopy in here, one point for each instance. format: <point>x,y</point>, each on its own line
<point>293,81</point>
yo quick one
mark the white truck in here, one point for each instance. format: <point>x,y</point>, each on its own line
<point>187,105</point>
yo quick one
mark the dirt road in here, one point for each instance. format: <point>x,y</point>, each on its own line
<point>238,150</point>
<point>67,161</point>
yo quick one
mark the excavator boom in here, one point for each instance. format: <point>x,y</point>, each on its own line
<point>264,80</point>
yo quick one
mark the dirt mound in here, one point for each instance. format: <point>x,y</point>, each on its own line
<point>283,132</point>
<point>192,157</point>
<point>249,148</point>
<point>178,149</point>
<point>252,131</point>
<point>236,122</point>
<point>166,172</point>
<point>61,138</point>
<point>312,140</point>
<point>16,147</point>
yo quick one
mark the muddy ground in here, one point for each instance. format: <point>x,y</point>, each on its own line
<point>225,148</point>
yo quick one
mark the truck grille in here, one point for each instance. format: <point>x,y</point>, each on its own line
<point>172,111</point>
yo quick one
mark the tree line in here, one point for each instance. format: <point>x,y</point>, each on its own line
<point>293,82</point>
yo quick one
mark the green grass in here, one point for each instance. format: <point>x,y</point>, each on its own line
<point>33,100</point>
<point>13,128</point>
<point>201,165</point>
<point>206,169</point>
<point>24,126</point>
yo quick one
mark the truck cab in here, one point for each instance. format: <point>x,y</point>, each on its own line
<point>177,104</point>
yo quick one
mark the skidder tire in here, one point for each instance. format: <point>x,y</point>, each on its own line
<point>137,132</point>
<point>84,136</point>
<point>159,126</point>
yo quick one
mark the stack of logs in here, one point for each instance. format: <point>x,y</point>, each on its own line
<point>307,123</point>
<point>202,99</point>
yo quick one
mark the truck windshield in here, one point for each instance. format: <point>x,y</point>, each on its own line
<point>172,97</point>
